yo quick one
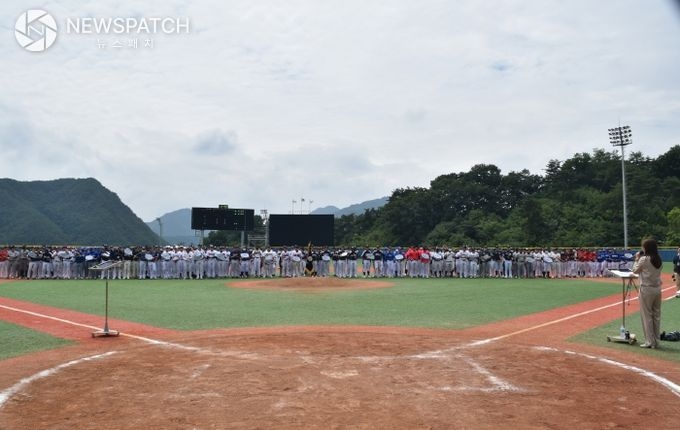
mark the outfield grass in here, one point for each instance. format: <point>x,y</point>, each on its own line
<point>434,303</point>
<point>431,303</point>
<point>206,304</point>
<point>16,341</point>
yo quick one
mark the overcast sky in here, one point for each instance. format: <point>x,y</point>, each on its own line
<point>336,101</point>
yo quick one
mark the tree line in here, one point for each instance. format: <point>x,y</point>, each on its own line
<point>576,202</point>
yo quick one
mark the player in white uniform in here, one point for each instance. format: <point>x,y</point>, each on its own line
<point>256,263</point>
<point>4,263</point>
<point>165,263</point>
<point>324,263</point>
<point>458,255</point>
<point>269,266</point>
<point>557,267</point>
<point>284,263</point>
<point>187,257</point>
<point>199,261</point>
<point>295,262</point>
<point>473,259</point>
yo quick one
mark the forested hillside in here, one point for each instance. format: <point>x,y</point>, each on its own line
<point>577,202</point>
<point>67,211</point>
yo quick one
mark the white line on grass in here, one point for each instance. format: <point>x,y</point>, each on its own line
<point>14,389</point>
<point>49,317</point>
<point>549,323</point>
<point>244,355</point>
<point>7,393</point>
<point>65,321</point>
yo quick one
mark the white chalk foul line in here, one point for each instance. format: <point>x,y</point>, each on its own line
<point>453,354</point>
<point>14,389</point>
<point>49,317</point>
<point>672,386</point>
<point>496,382</point>
<point>549,323</point>
<point>65,321</point>
<point>132,336</point>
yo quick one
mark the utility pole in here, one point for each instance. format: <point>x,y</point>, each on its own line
<point>622,137</point>
<point>160,230</point>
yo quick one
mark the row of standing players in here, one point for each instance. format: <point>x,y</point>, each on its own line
<point>182,262</point>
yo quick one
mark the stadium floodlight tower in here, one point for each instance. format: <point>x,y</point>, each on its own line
<point>622,137</point>
<point>160,230</point>
<point>264,213</point>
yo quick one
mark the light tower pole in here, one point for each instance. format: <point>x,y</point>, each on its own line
<point>622,137</point>
<point>160,229</point>
<point>265,220</point>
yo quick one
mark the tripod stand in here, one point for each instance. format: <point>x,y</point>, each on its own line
<point>627,282</point>
<point>100,268</point>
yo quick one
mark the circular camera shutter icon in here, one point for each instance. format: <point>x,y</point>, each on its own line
<point>35,30</point>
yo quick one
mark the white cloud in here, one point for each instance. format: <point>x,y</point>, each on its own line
<point>215,142</point>
<point>336,101</point>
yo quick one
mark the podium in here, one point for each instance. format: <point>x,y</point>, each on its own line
<point>627,282</point>
<point>105,332</point>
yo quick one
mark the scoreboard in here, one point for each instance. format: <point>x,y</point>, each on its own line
<point>222,219</point>
<point>289,230</point>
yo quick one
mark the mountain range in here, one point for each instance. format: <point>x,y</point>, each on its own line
<point>84,212</point>
<point>67,211</point>
<point>176,227</point>
<point>355,209</point>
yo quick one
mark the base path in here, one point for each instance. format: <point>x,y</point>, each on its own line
<point>520,373</point>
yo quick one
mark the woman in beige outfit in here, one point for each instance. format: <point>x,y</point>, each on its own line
<point>648,267</point>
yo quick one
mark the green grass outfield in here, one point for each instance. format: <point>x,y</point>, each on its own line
<point>431,303</point>
<point>206,304</point>
<point>16,340</point>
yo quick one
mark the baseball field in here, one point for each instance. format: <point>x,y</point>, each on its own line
<point>327,353</point>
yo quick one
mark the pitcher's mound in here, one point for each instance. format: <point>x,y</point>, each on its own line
<point>311,284</point>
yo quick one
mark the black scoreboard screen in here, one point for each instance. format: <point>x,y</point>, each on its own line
<point>289,230</point>
<point>222,219</point>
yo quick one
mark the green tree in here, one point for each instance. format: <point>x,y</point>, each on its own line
<point>534,224</point>
<point>673,232</point>
<point>668,165</point>
<point>577,203</point>
<point>232,238</point>
<point>408,216</point>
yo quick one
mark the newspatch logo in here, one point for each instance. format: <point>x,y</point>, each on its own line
<point>35,30</point>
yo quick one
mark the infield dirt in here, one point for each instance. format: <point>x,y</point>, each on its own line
<point>337,377</point>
